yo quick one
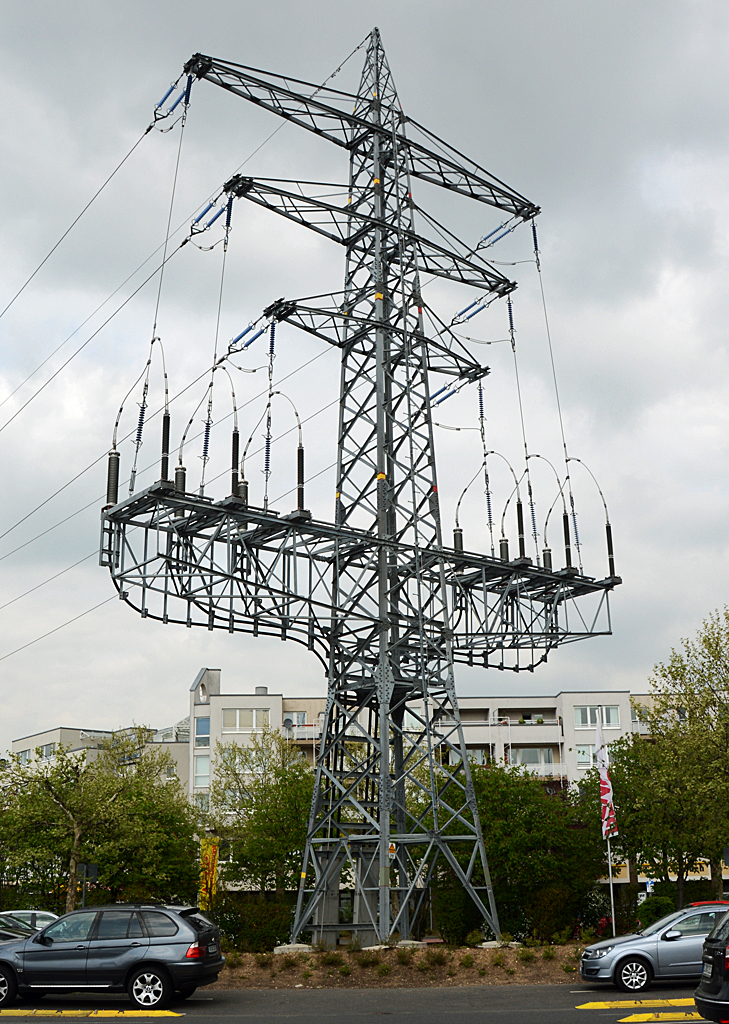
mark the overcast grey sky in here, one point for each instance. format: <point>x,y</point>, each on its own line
<point>611,116</point>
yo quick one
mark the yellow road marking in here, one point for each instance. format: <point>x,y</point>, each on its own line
<point>624,1004</point>
<point>90,1013</point>
<point>635,1017</point>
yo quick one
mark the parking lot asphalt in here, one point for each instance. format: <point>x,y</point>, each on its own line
<point>505,1004</point>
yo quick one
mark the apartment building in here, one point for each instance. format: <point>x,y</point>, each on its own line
<point>554,737</point>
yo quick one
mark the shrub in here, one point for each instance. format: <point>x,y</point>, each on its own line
<point>498,960</point>
<point>548,953</point>
<point>287,962</point>
<point>345,970</point>
<point>654,908</point>
<point>568,968</point>
<point>251,923</point>
<point>474,938</point>
<point>467,960</point>
<point>456,915</point>
<point>331,958</point>
<point>423,965</point>
<point>367,959</point>
<point>527,956</point>
<point>306,974</point>
<point>404,955</point>
<point>506,938</point>
<point>233,959</point>
<point>436,957</point>
<point>481,971</point>
<point>264,960</point>
<point>383,969</point>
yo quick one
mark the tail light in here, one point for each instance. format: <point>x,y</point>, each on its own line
<point>195,952</point>
<point>726,959</point>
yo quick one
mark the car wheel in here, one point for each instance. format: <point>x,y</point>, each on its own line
<point>185,991</point>
<point>634,974</point>
<point>150,988</point>
<point>8,987</point>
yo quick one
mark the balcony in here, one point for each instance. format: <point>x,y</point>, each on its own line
<point>304,734</point>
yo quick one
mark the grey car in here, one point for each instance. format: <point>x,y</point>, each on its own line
<point>670,948</point>
<point>149,951</point>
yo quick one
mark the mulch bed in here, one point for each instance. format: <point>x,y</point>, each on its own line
<point>398,968</point>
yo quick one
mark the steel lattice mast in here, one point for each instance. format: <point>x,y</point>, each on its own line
<point>377,595</point>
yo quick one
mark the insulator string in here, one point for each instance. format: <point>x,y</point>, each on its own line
<point>487,483</point>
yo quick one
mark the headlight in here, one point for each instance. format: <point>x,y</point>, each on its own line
<point>596,954</point>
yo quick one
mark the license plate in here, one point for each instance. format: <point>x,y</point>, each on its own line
<point>708,970</point>
<point>213,947</point>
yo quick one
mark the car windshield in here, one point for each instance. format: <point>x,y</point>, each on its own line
<point>663,922</point>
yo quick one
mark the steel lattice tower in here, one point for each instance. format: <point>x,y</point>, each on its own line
<point>386,605</point>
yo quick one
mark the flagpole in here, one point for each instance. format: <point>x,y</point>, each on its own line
<point>610,874</point>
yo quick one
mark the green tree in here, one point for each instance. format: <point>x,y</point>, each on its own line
<point>260,801</point>
<point>670,811</point>
<point>690,696</point>
<point>117,806</point>
<point>544,850</point>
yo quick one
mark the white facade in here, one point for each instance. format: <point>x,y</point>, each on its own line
<point>554,737</point>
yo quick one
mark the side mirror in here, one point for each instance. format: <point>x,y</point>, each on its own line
<point>42,940</point>
<point>672,934</point>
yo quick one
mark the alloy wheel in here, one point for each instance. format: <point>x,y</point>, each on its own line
<point>148,989</point>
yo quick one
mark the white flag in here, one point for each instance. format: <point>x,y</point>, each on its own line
<point>607,808</point>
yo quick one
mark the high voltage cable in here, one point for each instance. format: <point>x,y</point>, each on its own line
<point>68,622</point>
<point>49,580</point>
<point>125,438</point>
<point>89,339</point>
<point>75,222</point>
<point>160,246</point>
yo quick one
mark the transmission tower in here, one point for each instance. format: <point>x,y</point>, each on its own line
<point>377,594</point>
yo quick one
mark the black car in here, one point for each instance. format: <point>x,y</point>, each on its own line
<point>149,951</point>
<point>712,995</point>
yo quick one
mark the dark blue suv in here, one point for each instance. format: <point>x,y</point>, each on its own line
<point>149,951</point>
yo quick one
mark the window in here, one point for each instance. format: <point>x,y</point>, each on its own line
<point>75,928</point>
<point>202,732</point>
<point>202,801</point>
<point>532,755</point>
<point>585,755</point>
<point>114,924</point>
<point>611,717</point>
<point>301,718</point>
<point>24,757</point>
<point>697,924</point>
<point>202,770</point>
<point>158,925</point>
<point>240,719</point>
<point>48,750</point>
<point>586,717</point>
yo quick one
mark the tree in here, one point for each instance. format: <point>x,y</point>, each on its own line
<point>260,801</point>
<point>544,850</point>
<point>690,696</point>
<point>670,813</point>
<point>117,806</point>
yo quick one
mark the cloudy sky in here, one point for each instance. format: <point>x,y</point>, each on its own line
<point>611,116</point>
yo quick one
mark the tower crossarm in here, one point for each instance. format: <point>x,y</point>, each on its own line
<point>338,326</point>
<point>339,117</point>
<point>336,222</point>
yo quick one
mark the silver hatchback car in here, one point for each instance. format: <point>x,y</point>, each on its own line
<point>669,948</point>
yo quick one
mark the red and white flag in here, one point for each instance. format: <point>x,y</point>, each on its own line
<point>607,807</point>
